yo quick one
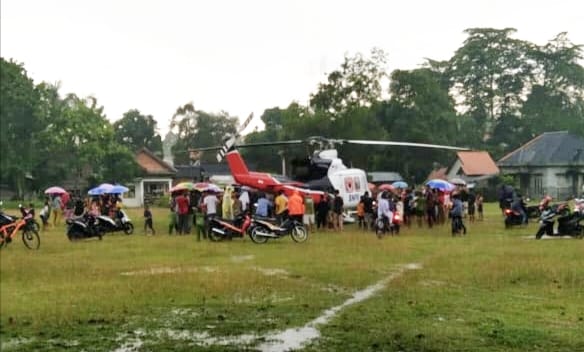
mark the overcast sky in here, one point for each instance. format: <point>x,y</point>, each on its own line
<point>248,55</point>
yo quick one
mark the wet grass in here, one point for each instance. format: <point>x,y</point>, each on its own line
<point>492,290</point>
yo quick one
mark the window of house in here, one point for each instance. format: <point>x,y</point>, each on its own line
<point>537,184</point>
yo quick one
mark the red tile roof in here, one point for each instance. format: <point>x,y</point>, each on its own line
<point>477,163</point>
<point>153,165</point>
<point>439,173</point>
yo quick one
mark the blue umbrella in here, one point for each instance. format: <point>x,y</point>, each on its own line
<point>118,189</point>
<point>400,184</point>
<point>101,189</point>
<point>440,185</point>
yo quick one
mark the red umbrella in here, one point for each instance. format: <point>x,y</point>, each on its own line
<point>386,187</point>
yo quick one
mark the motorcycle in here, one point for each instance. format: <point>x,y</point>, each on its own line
<point>220,229</point>
<point>383,225</point>
<point>84,226</point>
<point>263,229</point>
<point>121,223</point>
<point>568,223</point>
<point>513,218</point>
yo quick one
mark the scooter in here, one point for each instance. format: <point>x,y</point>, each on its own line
<point>513,218</point>
<point>121,223</point>
<point>568,223</point>
<point>82,227</point>
<point>220,229</point>
<point>264,229</point>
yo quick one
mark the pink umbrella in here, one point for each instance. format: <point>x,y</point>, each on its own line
<point>55,190</point>
<point>386,187</point>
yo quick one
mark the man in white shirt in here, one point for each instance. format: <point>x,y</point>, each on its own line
<point>244,198</point>
<point>210,206</point>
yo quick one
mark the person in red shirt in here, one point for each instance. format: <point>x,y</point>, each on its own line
<point>182,204</point>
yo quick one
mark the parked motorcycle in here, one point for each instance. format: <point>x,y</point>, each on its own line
<point>121,223</point>
<point>263,229</point>
<point>220,229</point>
<point>568,223</point>
<point>84,226</point>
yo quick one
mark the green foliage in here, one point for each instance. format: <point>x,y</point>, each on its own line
<point>197,128</point>
<point>136,131</point>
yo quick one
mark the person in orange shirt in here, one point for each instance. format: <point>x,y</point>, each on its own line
<point>296,207</point>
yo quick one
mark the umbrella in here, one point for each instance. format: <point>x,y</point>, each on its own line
<point>458,181</point>
<point>55,190</point>
<point>440,184</point>
<point>118,189</point>
<point>386,187</point>
<point>400,184</point>
<point>183,186</point>
<point>101,189</point>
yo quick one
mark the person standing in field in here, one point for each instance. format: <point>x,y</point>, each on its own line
<point>361,213</point>
<point>57,209</point>
<point>322,209</point>
<point>182,204</point>
<point>296,207</point>
<point>210,202</point>
<point>479,202</point>
<point>148,223</point>
<point>172,216</point>
<point>309,213</point>
<point>236,207</point>
<point>369,213</point>
<point>338,211</point>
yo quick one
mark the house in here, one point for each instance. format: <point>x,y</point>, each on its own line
<point>155,180</point>
<point>550,164</point>
<point>473,166</point>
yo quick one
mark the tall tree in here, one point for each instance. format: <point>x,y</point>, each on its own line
<point>489,75</point>
<point>556,101</point>
<point>135,130</point>
<point>19,124</point>
<point>195,128</point>
<point>357,83</point>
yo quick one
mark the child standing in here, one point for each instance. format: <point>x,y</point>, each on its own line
<point>479,203</point>
<point>148,220</point>
<point>45,214</point>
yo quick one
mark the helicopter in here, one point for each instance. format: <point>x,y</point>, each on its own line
<point>322,173</point>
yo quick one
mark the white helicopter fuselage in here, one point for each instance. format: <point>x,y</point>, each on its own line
<point>351,183</point>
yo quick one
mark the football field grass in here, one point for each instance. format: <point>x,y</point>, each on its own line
<point>492,290</point>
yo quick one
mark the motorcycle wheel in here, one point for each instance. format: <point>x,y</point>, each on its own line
<point>507,223</point>
<point>259,239</point>
<point>31,239</point>
<point>379,228</point>
<point>299,234</point>
<point>128,228</point>
<point>214,236</point>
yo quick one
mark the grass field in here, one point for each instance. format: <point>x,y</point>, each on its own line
<point>493,290</point>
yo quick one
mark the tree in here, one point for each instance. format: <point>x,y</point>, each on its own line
<point>135,131</point>
<point>358,83</point>
<point>19,124</point>
<point>490,75</point>
<point>556,101</point>
<point>195,128</point>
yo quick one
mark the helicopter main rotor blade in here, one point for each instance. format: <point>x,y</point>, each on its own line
<point>403,144</point>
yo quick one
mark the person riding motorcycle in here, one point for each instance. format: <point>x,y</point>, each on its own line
<point>519,207</point>
<point>383,209</point>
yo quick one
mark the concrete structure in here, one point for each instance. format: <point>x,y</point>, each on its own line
<point>550,164</point>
